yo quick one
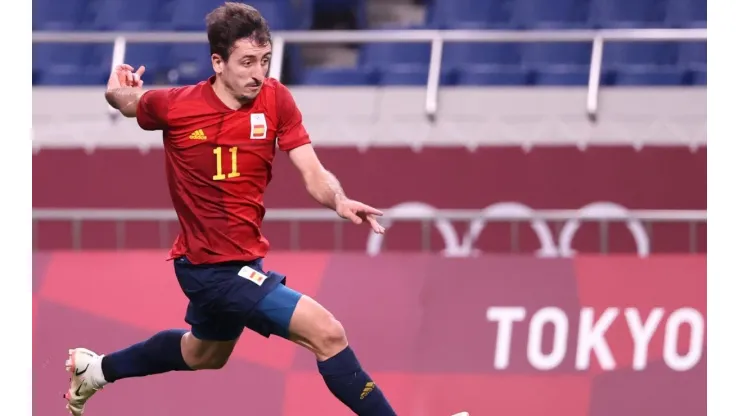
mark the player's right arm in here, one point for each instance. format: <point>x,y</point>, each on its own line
<point>125,89</point>
<point>125,94</point>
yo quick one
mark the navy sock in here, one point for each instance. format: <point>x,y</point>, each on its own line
<point>352,386</point>
<point>159,354</point>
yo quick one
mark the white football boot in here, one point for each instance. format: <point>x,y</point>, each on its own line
<point>85,380</point>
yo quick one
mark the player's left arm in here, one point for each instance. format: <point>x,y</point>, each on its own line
<point>321,184</point>
<point>325,188</point>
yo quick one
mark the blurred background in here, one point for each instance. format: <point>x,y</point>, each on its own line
<point>541,163</point>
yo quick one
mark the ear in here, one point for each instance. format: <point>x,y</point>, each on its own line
<point>218,63</point>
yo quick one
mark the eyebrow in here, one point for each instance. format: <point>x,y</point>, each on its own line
<point>255,56</point>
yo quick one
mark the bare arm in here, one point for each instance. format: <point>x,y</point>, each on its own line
<point>321,184</point>
<point>125,89</point>
<point>124,99</point>
<point>324,187</point>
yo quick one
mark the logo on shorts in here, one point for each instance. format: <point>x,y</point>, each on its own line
<point>259,126</point>
<point>252,275</point>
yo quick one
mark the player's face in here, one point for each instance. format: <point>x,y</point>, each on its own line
<point>246,70</point>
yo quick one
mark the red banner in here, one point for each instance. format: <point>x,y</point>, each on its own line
<point>590,336</point>
<point>544,178</point>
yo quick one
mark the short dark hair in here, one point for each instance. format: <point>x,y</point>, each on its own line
<point>232,21</point>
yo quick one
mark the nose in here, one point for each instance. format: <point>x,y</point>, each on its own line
<point>257,76</point>
<point>258,72</point>
<point>256,80</point>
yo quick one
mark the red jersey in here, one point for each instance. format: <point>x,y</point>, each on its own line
<point>218,164</point>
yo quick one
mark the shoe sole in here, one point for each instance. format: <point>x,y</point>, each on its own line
<point>70,367</point>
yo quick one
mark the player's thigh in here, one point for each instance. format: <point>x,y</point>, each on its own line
<point>273,314</point>
<point>224,297</point>
<point>298,318</point>
<point>211,339</point>
<point>207,325</point>
<point>208,289</point>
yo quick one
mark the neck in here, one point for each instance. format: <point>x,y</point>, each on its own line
<point>226,95</point>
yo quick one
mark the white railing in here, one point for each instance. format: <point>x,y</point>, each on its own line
<point>639,222</point>
<point>437,38</point>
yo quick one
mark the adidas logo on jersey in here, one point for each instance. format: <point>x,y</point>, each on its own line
<point>198,135</point>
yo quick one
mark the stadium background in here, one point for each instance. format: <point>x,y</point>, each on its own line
<point>510,139</point>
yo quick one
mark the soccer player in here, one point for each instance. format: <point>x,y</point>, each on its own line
<point>220,138</point>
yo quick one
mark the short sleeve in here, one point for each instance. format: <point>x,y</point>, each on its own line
<point>151,113</point>
<point>290,131</point>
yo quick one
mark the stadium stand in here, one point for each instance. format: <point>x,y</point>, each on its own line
<point>625,63</point>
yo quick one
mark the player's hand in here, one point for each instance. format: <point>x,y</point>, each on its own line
<point>124,76</point>
<point>357,212</point>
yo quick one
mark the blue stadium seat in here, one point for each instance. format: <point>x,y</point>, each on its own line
<point>45,55</point>
<point>333,9</point>
<point>280,14</point>
<point>379,54</point>
<point>643,63</point>
<point>124,15</point>
<point>625,63</point>
<point>561,75</point>
<point>58,15</point>
<point>550,13</point>
<point>491,63</point>
<point>686,13</point>
<point>400,63</point>
<point>154,56</point>
<point>627,13</point>
<point>650,75</point>
<point>549,53</point>
<point>191,62</point>
<point>338,76</point>
<point>693,55</point>
<point>458,55</point>
<point>190,14</point>
<point>564,63</point>
<point>699,77</point>
<point>303,13</point>
<point>640,53</point>
<point>293,63</point>
<point>493,75</point>
<point>38,63</point>
<point>327,5</point>
<point>100,56</point>
<point>72,75</point>
<point>447,12</point>
<point>410,74</point>
<point>190,53</point>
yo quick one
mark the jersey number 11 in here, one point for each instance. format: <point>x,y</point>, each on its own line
<point>219,176</point>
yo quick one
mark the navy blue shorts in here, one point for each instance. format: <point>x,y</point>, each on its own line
<point>225,298</point>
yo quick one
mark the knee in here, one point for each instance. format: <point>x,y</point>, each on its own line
<point>205,355</point>
<point>329,338</point>
<point>315,328</point>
